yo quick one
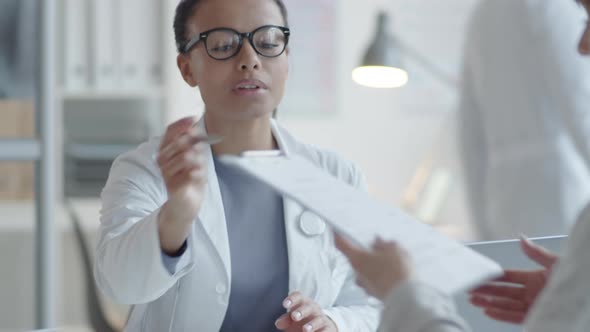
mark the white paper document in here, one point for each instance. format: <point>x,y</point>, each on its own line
<point>440,261</point>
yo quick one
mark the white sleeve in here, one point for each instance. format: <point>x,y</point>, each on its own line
<point>128,264</point>
<point>472,144</point>
<point>415,307</point>
<point>566,70</point>
<point>564,305</point>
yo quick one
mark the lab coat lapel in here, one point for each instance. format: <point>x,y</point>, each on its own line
<point>297,253</point>
<point>212,214</point>
<point>212,217</point>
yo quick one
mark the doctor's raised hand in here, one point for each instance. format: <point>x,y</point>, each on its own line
<point>183,168</point>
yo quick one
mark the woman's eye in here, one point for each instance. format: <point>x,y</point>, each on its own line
<point>222,48</point>
<point>268,45</point>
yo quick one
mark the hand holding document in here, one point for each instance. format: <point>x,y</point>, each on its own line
<point>440,261</point>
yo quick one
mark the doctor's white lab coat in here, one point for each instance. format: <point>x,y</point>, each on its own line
<point>525,118</point>
<point>129,266</point>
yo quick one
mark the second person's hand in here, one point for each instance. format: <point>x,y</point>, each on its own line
<point>510,297</point>
<point>379,270</point>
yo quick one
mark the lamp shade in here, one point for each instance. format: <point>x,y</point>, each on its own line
<point>382,65</point>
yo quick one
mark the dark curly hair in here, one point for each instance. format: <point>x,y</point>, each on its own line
<point>186,9</point>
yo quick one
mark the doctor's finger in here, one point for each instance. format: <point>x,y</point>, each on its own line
<point>283,322</point>
<point>305,310</point>
<point>513,292</point>
<point>294,300</point>
<point>506,316</point>
<point>177,128</point>
<point>538,253</point>
<point>183,143</point>
<point>192,156</point>
<point>171,149</point>
<point>187,162</point>
<point>316,324</point>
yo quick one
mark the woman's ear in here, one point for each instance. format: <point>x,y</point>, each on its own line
<point>184,65</point>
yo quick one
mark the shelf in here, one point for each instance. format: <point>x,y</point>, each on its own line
<point>97,151</point>
<point>121,94</point>
<point>19,150</point>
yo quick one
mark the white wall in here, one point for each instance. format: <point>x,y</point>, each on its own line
<point>387,132</point>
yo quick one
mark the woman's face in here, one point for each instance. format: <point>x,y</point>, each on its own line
<point>248,85</point>
<point>585,41</point>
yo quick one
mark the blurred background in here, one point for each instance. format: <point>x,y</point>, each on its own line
<point>82,81</point>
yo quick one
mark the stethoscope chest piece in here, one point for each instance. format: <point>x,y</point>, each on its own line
<point>311,224</point>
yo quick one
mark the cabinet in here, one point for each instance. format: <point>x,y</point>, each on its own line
<point>110,78</point>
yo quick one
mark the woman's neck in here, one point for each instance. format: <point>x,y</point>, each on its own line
<point>240,136</point>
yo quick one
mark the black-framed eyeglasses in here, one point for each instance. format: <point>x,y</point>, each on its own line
<point>223,43</point>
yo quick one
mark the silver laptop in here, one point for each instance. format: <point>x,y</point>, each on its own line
<point>509,255</point>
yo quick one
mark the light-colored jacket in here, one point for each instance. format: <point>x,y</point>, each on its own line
<point>129,265</point>
<point>525,118</point>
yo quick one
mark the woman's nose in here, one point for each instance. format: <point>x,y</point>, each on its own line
<point>248,58</point>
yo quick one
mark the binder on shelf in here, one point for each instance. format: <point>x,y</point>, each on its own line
<point>76,46</point>
<point>104,32</point>
<point>140,42</point>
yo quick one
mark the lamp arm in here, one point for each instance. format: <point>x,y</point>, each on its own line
<point>433,69</point>
<point>422,176</point>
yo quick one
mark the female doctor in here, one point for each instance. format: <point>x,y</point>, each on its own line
<point>194,245</point>
<point>563,304</point>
